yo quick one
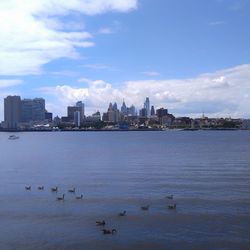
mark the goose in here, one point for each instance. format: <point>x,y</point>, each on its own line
<point>28,187</point>
<point>72,190</point>
<point>170,197</point>
<point>172,207</point>
<point>100,223</point>
<point>61,198</point>
<point>79,197</point>
<point>108,231</point>
<point>145,208</point>
<point>40,187</point>
<point>54,189</point>
<point>122,213</point>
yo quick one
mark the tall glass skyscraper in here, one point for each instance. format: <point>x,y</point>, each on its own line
<point>147,106</point>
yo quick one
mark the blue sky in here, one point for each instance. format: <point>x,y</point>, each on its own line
<point>189,56</point>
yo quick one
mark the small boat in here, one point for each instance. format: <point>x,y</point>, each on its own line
<point>13,137</point>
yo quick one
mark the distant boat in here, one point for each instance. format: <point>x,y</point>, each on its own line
<point>13,137</point>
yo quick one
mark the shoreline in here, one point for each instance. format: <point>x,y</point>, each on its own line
<point>120,130</point>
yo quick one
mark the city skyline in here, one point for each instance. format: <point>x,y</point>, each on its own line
<point>191,57</point>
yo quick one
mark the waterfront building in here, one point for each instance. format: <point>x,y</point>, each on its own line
<point>12,112</point>
<point>77,118</point>
<point>48,116</point>
<point>26,110</point>
<point>32,110</point>
<point>71,110</point>
<point>38,109</point>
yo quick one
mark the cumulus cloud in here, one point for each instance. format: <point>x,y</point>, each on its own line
<point>34,33</point>
<point>221,93</point>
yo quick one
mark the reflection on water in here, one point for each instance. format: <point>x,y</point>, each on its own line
<point>207,172</point>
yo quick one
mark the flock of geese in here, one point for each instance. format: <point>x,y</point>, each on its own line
<point>55,190</point>
<point>101,223</point>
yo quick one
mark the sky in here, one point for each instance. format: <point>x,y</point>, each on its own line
<point>190,56</point>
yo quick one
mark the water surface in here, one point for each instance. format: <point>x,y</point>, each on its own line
<point>208,172</point>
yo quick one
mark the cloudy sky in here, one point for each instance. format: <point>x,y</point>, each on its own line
<point>189,56</point>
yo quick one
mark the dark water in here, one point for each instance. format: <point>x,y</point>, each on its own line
<point>207,172</point>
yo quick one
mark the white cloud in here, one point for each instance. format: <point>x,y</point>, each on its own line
<point>221,93</point>
<point>5,83</point>
<point>98,66</point>
<point>151,73</point>
<point>105,31</point>
<point>34,33</point>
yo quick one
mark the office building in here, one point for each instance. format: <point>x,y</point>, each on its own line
<point>71,110</point>
<point>124,109</point>
<point>152,112</point>
<point>77,118</point>
<point>81,105</point>
<point>12,112</point>
<point>33,110</point>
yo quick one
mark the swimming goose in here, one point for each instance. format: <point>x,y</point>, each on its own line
<point>100,223</point>
<point>122,213</point>
<point>61,198</point>
<point>108,231</point>
<point>172,207</point>
<point>145,208</point>
<point>54,189</point>
<point>40,187</point>
<point>28,187</point>
<point>72,190</point>
<point>170,197</point>
<point>79,197</point>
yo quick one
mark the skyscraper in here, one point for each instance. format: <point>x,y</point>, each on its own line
<point>26,110</point>
<point>33,110</point>
<point>77,118</point>
<point>152,112</point>
<point>81,105</point>
<point>38,109</point>
<point>124,109</point>
<point>12,111</point>
<point>147,106</point>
